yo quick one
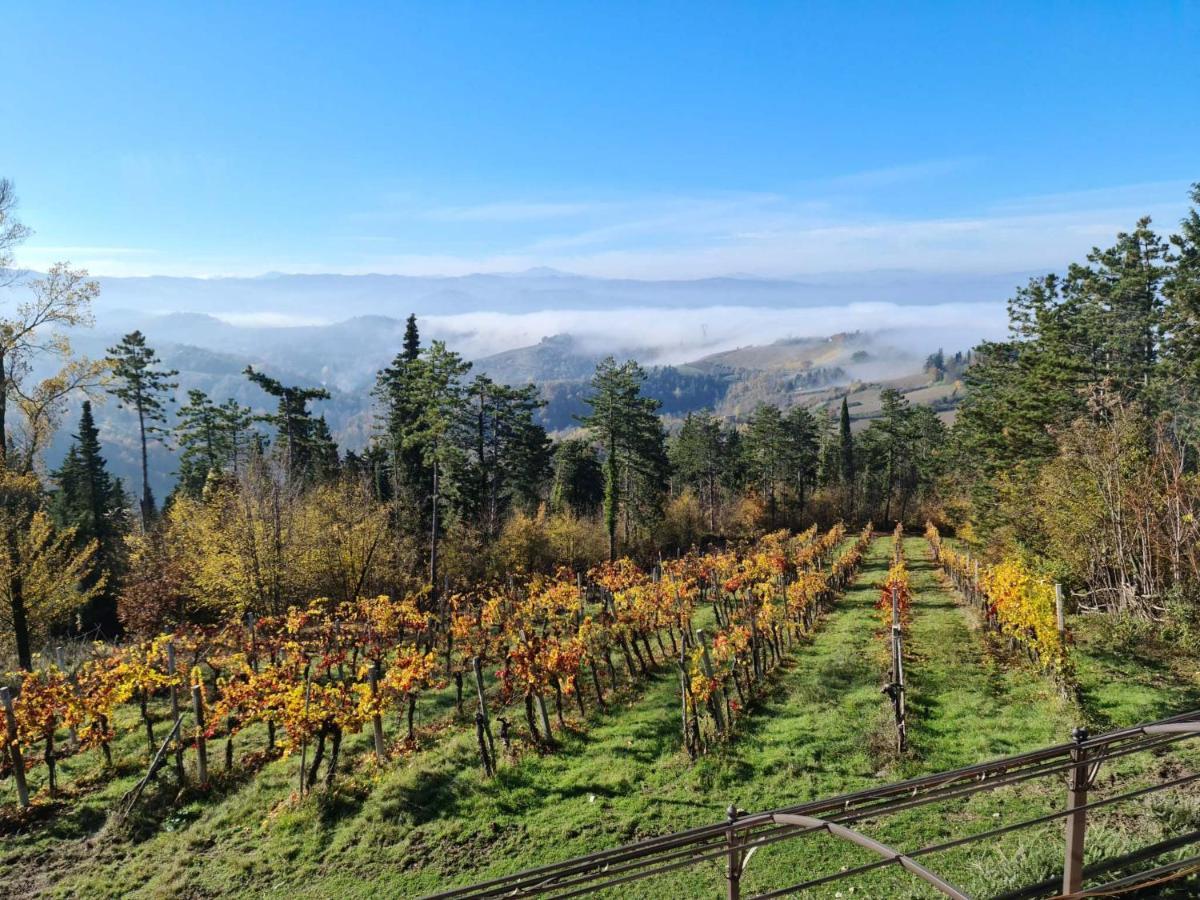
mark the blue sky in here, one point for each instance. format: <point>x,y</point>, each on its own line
<point>643,139</point>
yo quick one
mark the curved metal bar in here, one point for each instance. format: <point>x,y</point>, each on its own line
<point>883,850</point>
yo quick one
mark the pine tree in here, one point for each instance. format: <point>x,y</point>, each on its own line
<point>624,423</point>
<point>140,386</point>
<point>296,429</point>
<point>394,390</point>
<point>325,462</point>
<point>700,457</point>
<point>93,503</point>
<point>578,483</point>
<point>435,382</point>
<point>202,440</point>
<point>237,424</point>
<point>769,455</point>
<point>508,452</point>
<point>804,435</point>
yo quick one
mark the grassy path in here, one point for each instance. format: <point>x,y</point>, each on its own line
<point>966,704</point>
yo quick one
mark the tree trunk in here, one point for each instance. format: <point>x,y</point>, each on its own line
<point>331,771</point>
<point>433,541</point>
<point>16,598</point>
<point>147,503</point>
<point>612,497</point>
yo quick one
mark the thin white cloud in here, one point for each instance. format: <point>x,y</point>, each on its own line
<point>893,175</point>
<point>680,236</point>
<point>512,212</point>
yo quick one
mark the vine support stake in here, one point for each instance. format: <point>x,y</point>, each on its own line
<point>201,744</point>
<point>171,671</point>
<point>718,703</point>
<point>477,670</point>
<point>376,719</point>
<point>14,747</point>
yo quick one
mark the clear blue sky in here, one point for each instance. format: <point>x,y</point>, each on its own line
<point>647,139</point>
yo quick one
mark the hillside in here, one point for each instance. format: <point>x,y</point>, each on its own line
<point>211,355</point>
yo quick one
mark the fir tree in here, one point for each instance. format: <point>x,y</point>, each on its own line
<point>89,500</point>
<point>412,339</point>
<point>141,387</point>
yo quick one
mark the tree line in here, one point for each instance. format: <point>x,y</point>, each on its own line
<point>1077,443</point>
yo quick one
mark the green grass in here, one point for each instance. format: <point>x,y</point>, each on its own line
<point>430,819</point>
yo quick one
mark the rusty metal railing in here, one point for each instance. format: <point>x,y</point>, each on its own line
<point>734,841</point>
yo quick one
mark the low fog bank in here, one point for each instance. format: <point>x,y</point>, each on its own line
<point>347,354</point>
<point>670,337</point>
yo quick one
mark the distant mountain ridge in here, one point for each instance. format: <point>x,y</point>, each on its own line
<point>332,297</point>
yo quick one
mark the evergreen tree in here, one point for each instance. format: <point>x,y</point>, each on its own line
<point>325,462</point>
<point>202,440</point>
<point>395,390</point>
<point>846,468</point>
<point>578,483</point>
<point>298,436</point>
<point>770,456</point>
<point>141,386</point>
<point>700,456</point>
<point>412,339</point>
<point>508,452</point>
<point>804,436</point>
<point>237,426</point>
<point>437,390</point>
<point>623,422</point>
<point>93,503</point>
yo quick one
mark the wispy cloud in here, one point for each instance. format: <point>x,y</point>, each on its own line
<point>771,234</point>
<point>893,175</point>
<point>513,212</point>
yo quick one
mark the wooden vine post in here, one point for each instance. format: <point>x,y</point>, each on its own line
<point>477,671</point>
<point>718,702</point>
<point>171,671</point>
<point>377,719</point>
<point>201,744</point>
<point>14,747</point>
<point>304,740</point>
<point>898,677</point>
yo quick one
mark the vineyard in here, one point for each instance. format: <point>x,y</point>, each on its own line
<point>264,690</point>
<point>517,714</point>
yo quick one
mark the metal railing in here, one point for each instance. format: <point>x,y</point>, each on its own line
<point>735,840</point>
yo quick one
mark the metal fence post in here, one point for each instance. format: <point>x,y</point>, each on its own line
<point>735,855</point>
<point>1077,789</point>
